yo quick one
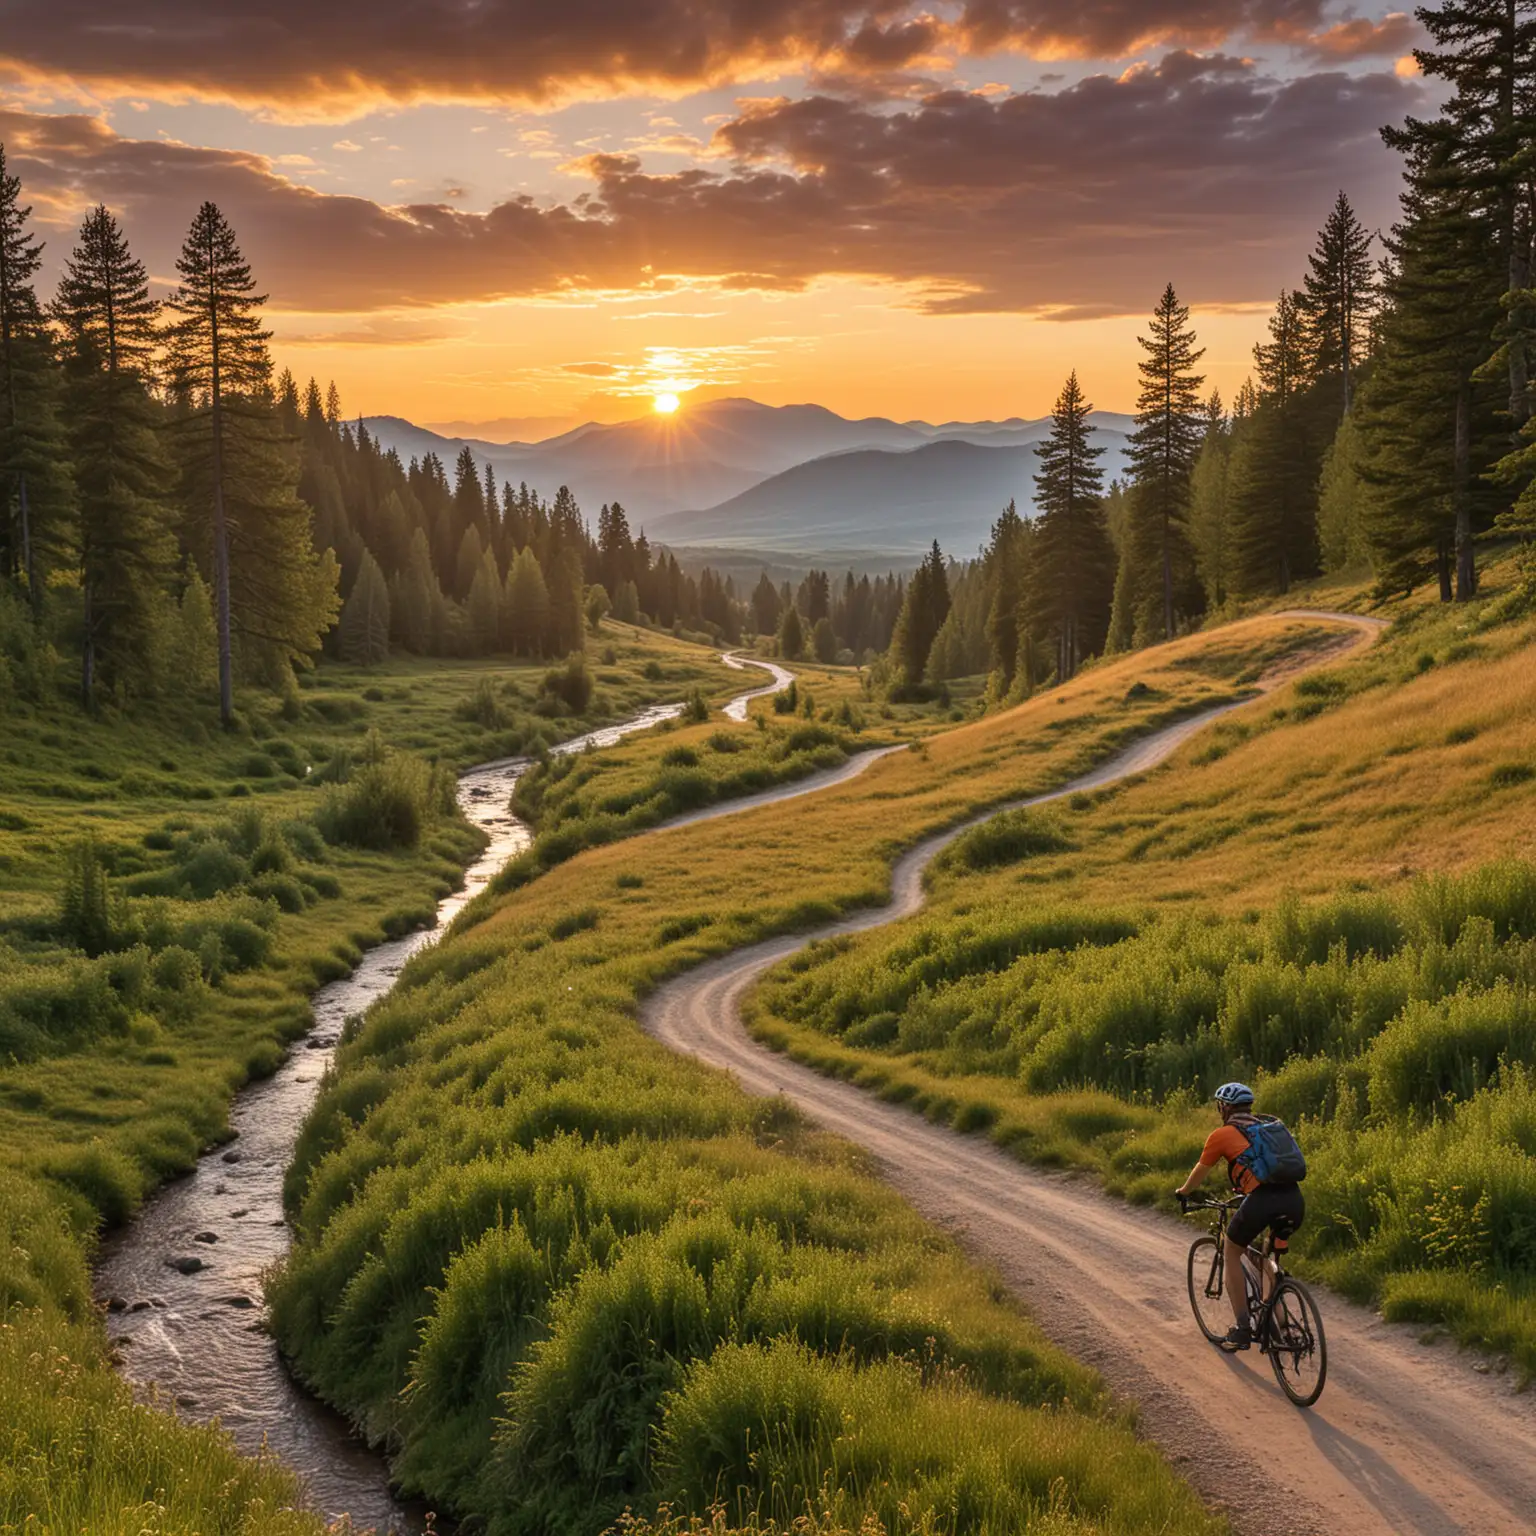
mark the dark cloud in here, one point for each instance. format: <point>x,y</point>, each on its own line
<point>1085,200</point>
<point>591,370</point>
<point>341,57</point>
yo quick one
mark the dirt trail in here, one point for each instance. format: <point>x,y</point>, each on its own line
<point>1407,1437</point>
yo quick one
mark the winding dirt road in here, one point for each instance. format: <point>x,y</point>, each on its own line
<point>1407,1437</point>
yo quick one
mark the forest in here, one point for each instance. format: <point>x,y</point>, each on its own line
<point>173,507</point>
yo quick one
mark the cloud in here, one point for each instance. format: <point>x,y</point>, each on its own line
<point>334,61</point>
<point>1075,202</point>
<point>1359,38</point>
<point>591,370</point>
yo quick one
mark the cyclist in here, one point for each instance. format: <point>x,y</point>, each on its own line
<point>1265,1206</point>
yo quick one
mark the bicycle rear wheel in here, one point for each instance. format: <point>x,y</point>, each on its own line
<point>1206,1294</point>
<point>1298,1350</point>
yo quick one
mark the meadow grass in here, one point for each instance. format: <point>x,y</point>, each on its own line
<point>524,1231</point>
<point>1332,894</point>
<point>599,797</point>
<point>171,896</point>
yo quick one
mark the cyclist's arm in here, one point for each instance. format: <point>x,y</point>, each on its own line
<point>1195,1180</point>
<point>1210,1155</point>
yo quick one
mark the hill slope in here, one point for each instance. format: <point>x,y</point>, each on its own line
<point>951,490</point>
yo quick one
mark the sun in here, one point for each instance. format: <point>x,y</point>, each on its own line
<point>667,404</point>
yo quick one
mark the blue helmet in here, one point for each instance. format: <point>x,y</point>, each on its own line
<point>1234,1095</point>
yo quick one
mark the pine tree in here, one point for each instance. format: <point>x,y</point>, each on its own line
<point>483,606</point>
<point>1272,505</point>
<point>34,482</point>
<point>948,654</point>
<point>1209,505</point>
<point>1169,428</point>
<point>922,617</point>
<point>240,472</point>
<point>468,509</point>
<point>824,641</point>
<point>1004,562</point>
<point>417,601</point>
<point>1426,414</point>
<point>362,635</point>
<point>526,605</point>
<point>567,621</point>
<point>1338,302</point>
<point>467,561</point>
<point>1478,150</point>
<point>1341,515</point>
<point>1070,582</point>
<point>616,547</point>
<point>195,640</point>
<point>124,483</point>
<point>766,606</point>
<point>791,634</point>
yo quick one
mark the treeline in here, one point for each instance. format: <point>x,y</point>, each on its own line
<point>1216,508</point>
<point>180,519</point>
<point>447,563</point>
<point>1387,427</point>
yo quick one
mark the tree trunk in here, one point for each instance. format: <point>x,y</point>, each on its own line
<point>28,561</point>
<point>1519,321</point>
<point>221,573</point>
<point>1167,581</point>
<point>220,526</point>
<point>1466,568</point>
<point>1443,570</point>
<point>88,651</point>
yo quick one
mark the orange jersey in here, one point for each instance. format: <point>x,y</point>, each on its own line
<point>1227,1141</point>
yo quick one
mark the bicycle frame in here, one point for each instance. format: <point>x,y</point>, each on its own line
<point>1265,1260</point>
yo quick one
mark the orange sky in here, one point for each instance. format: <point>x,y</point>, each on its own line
<point>513,211</point>
<point>855,348</point>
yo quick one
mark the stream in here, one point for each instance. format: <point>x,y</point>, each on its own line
<point>182,1283</point>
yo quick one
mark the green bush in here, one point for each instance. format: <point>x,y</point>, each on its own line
<point>570,684</point>
<point>383,805</point>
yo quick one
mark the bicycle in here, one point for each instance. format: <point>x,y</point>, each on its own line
<point>1288,1327</point>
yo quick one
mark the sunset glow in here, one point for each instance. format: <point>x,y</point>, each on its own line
<point>666,405</point>
<point>484,225</point>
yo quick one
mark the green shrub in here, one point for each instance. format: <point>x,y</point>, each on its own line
<point>383,805</point>
<point>570,684</point>
<point>1006,839</point>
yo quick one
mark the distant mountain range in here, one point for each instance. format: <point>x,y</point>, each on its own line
<point>797,479</point>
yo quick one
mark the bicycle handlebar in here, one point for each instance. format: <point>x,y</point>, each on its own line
<point>1188,1203</point>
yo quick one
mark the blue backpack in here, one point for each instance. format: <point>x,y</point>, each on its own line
<point>1272,1156</point>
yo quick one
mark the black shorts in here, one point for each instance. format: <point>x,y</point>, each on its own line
<point>1268,1206</point>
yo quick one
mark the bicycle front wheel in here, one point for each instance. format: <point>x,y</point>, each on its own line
<point>1206,1289</point>
<point>1298,1350</point>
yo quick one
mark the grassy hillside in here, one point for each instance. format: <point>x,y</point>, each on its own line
<point>1333,895</point>
<point>827,715</point>
<point>684,1293</point>
<point>171,896</point>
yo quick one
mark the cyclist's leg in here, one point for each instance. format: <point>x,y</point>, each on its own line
<point>1237,1288</point>
<point>1248,1224</point>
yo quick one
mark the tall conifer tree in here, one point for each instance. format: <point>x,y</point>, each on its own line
<point>239,470</point>
<point>1169,428</point>
<point>124,482</point>
<point>1337,302</point>
<point>362,635</point>
<point>1272,486</point>
<point>1478,149</point>
<point>1005,561</point>
<point>1070,583</point>
<point>1427,416</point>
<point>34,481</point>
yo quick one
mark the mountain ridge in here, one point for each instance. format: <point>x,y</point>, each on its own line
<point>735,473</point>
